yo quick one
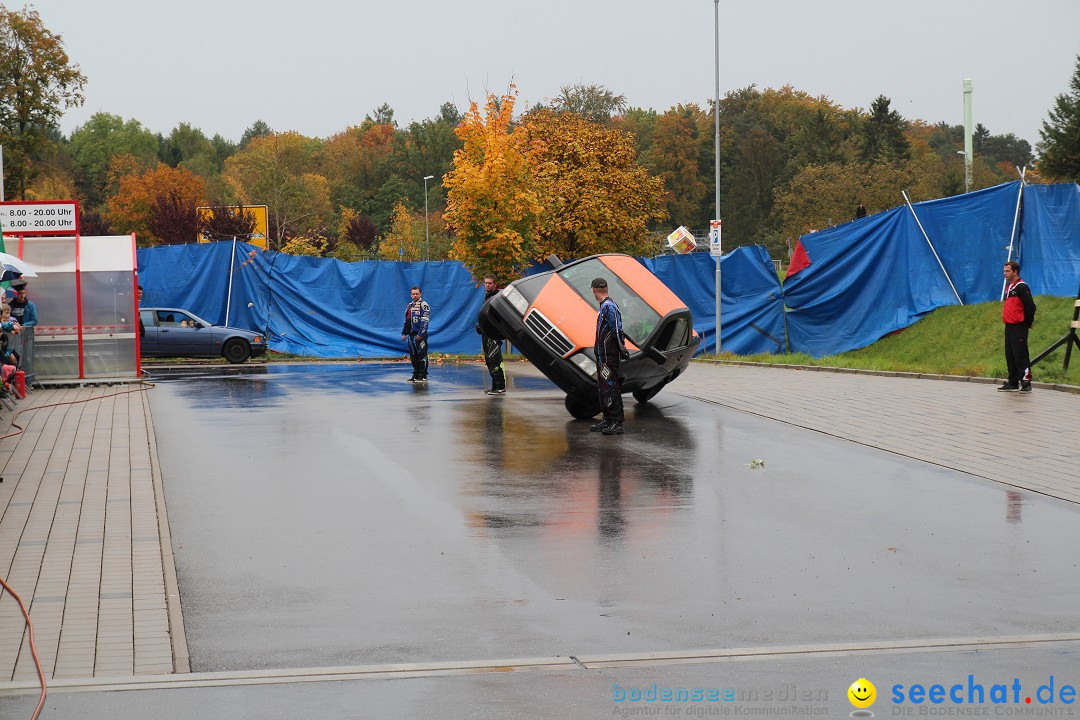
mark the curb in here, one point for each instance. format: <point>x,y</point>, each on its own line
<point>1060,387</point>
<point>181,656</point>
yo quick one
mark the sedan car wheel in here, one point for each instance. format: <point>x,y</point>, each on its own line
<point>236,351</point>
<point>582,409</point>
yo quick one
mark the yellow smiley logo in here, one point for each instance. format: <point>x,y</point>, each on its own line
<point>862,693</point>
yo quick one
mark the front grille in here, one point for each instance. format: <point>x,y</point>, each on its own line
<point>546,332</point>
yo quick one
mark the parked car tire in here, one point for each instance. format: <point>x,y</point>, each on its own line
<point>236,351</point>
<point>582,409</point>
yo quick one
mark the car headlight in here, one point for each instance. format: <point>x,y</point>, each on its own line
<point>516,299</point>
<point>586,363</point>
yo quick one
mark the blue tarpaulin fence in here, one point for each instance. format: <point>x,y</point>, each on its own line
<point>875,275</point>
<point>865,279</point>
<point>751,306</point>
<point>326,308</point>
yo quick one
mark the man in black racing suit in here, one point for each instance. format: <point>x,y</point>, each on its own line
<point>492,351</point>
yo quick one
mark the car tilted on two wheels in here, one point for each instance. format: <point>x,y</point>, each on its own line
<point>551,318</point>
<point>172,332</point>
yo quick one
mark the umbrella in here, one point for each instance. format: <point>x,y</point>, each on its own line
<point>13,267</point>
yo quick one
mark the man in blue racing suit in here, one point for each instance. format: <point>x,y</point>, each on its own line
<point>415,333</point>
<point>610,350</point>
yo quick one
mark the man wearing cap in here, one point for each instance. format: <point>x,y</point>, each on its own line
<point>25,313</point>
<point>415,333</point>
<point>610,350</point>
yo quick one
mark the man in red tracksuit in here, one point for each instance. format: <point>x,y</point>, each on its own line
<point>1018,314</point>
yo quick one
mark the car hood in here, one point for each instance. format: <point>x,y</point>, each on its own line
<point>248,334</point>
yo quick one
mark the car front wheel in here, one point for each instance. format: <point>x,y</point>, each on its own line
<point>582,409</point>
<point>236,351</point>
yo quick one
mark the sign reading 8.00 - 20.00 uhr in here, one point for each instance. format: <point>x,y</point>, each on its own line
<point>39,217</point>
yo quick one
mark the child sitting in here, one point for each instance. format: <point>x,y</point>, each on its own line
<point>9,359</point>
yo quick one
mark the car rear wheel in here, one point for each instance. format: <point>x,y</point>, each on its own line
<point>644,396</point>
<point>236,351</point>
<point>582,409</point>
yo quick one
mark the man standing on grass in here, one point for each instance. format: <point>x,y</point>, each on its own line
<point>1018,314</point>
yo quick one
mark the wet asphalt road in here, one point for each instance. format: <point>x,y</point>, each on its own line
<point>336,515</point>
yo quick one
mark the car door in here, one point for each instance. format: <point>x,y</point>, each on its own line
<point>203,341</point>
<point>148,343</point>
<point>174,339</point>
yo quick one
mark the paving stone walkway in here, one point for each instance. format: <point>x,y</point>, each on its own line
<point>80,540</point>
<point>1029,441</point>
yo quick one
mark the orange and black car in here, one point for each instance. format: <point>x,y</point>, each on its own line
<point>551,318</point>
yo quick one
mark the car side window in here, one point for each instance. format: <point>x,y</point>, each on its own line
<point>167,319</point>
<point>147,317</point>
<point>676,334</point>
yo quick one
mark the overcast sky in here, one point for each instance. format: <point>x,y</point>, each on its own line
<point>318,66</point>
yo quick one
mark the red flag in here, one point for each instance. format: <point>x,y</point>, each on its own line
<point>799,260</point>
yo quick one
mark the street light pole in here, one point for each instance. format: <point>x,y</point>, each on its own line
<point>427,236</point>
<point>716,113</point>
<point>969,155</point>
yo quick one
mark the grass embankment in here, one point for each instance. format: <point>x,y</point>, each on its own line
<point>956,340</point>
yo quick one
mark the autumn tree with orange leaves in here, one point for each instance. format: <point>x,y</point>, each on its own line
<point>596,198</point>
<point>556,184</point>
<point>158,205</point>
<point>493,201</point>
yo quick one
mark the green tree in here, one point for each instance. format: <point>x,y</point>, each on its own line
<point>675,155</point>
<point>883,134</point>
<point>593,102</point>
<point>95,145</point>
<point>188,147</point>
<point>258,129</point>
<point>384,115</point>
<point>755,176</point>
<point>1007,149</point>
<point>37,83</point>
<point>425,148</point>
<point>274,170</point>
<point>1059,149</point>
<point>639,123</point>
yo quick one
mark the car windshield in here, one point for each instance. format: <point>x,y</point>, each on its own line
<point>639,319</point>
